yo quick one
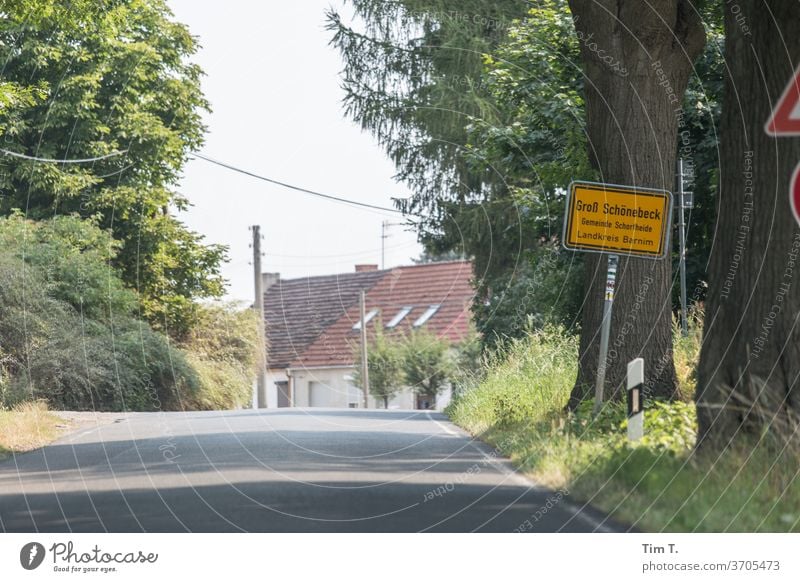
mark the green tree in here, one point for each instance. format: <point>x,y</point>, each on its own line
<point>541,144</point>
<point>632,132</point>
<point>513,105</point>
<point>750,358</point>
<point>428,362</point>
<point>118,82</point>
<point>413,78</point>
<point>384,367</point>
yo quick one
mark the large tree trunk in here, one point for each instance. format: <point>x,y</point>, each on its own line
<point>637,58</point>
<point>750,361</point>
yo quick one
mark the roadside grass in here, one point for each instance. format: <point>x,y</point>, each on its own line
<point>658,484</point>
<point>25,427</point>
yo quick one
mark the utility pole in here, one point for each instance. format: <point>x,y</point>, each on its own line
<point>685,200</point>
<point>258,305</point>
<point>384,236</point>
<point>384,226</point>
<point>364,361</point>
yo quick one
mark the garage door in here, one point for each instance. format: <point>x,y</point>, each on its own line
<point>319,394</point>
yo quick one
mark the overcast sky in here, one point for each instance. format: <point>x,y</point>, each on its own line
<point>273,84</point>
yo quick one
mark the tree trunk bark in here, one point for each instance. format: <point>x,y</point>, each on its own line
<point>637,58</point>
<point>750,361</point>
<point>386,402</point>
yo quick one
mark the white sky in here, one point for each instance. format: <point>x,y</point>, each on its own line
<point>273,84</point>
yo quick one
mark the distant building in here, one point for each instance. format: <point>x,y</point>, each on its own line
<point>313,327</point>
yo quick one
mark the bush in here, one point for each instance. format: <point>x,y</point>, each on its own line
<point>428,362</point>
<point>72,257</point>
<point>68,333</point>
<point>224,349</point>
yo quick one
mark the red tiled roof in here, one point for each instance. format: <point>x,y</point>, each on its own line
<point>447,285</point>
<point>297,311</point>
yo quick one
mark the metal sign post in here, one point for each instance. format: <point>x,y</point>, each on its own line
<point>605,332</point>
<point>682,205</point>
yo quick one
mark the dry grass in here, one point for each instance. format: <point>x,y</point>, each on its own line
<point>26,427</point>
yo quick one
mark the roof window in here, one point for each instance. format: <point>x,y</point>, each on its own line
<point>367,318</point>
<point>399,317</point>
<point>422,319</point>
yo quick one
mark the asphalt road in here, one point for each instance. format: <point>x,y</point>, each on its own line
<point>308,470</point>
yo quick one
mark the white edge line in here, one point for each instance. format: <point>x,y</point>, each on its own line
<point>502,464</point>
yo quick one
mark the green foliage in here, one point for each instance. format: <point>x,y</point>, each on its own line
<point>384,366</point>
<point>545,288</point>
<point>76,347</point>
<point>489,159</point>
<point>74,257</point>
<point>686,352</point>
<point>469,367</point>
<point>428,362</point>
<point>656,484</point>
<point>69,335</point>
<point>223,348</point>
<point>670,426</point>
<point>698,144</point>
<point>113,76</point>
<point>524,381</point>
<point>412,77</point>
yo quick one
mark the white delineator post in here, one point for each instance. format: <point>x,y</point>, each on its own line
<point>635,397</point>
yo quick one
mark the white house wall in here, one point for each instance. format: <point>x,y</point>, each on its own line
<point>339,391</point>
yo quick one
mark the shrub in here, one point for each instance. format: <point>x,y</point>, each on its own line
<point>67,333</point>
<point>224,349</point>
<point>428,362</point>
<point>384,367</point>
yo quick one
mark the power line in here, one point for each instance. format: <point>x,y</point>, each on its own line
<point>54,161</point>
<point>297,188</point>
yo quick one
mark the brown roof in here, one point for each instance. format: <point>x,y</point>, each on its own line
<point>297,311</point>
<point>447,285</point>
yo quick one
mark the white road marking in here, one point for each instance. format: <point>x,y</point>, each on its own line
<point>502,465</point>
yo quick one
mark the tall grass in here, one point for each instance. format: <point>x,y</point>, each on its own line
<point>659,483</point>
<point>524,381</point>
<point>686,350</point>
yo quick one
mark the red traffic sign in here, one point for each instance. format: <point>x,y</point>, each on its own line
<point>785,118</point>
<point>794,193</point>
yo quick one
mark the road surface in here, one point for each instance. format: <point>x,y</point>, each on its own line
<point>307,470</point>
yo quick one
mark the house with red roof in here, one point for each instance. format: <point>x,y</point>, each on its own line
<point>313,327</point>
